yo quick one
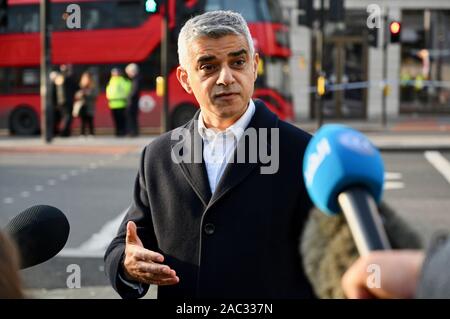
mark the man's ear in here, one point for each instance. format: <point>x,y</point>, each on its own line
<point>255,65</point>
<point>183,78</point>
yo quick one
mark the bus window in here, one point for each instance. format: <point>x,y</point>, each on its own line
<point>94,16</point>
<point>274,11</point>
<point>213,5</point>
<point>3,81</point>
<point>251,10</point>
<point>19,80</point>
<point>23,18</point>
<point>131,14</point>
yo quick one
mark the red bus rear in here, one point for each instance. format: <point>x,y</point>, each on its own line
<point>115,33</point>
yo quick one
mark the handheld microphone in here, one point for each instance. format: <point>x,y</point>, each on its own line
<point>343,171</point>
<point>40,232</point>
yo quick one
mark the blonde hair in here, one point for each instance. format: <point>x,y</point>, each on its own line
<point>10,283</point>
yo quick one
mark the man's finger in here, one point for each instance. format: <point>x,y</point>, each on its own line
<point>148,255</point>
<point>132,236</point>
<point>156,269</point>
<point>154,278</point>
<point>168,281</point>
<point>163,282</point>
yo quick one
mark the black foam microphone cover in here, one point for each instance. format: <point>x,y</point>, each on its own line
<point>40,232</point>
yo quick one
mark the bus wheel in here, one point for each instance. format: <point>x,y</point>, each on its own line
<point>183,114</point>
<point>23,121</point>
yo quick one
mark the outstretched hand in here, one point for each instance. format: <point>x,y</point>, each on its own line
<point>144,265</point>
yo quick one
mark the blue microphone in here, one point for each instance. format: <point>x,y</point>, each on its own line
<point>343,171</point>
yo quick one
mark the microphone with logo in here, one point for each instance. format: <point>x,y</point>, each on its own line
<point>40,232</point>
<point>343,171</point>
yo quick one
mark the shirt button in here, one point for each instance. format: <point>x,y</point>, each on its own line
<point>209,229</point>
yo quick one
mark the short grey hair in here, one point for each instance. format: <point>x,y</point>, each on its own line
<point>132,68</point>
<point>213,24</point>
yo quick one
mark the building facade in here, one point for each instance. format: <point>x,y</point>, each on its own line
<point>417,67</point>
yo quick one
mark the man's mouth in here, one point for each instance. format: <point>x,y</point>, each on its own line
<point>225,94</point>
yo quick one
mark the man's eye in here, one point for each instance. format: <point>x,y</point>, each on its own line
<point>239,63</point>
<point>207,67</point>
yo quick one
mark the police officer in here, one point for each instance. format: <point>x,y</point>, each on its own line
<point>117,92</point>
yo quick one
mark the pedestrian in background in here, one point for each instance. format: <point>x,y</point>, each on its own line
<point>56,111</point>
<point>84,106</point>
<point>132,71</point>
<point>66,88</point>
<point>117,92</point>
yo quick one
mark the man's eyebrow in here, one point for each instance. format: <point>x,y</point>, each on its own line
<point>237,53</point>
<point>205,58</point>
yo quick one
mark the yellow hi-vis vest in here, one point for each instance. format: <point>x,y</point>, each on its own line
<point>117,92</point>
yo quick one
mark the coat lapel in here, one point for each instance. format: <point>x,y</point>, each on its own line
<point>194,170</point>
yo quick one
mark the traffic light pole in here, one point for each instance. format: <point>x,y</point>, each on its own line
<point>165,126</point>
<point>46,98</point>
<point>385,45</point>
<point>319,64</point>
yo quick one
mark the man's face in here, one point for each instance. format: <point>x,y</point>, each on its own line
<point>221,74</point>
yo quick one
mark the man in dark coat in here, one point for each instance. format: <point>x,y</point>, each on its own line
<point>219,204</point>
<point>66,87</point>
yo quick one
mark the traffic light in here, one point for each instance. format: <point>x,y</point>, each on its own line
<point>395,29</point>
<point>3,13</point>
<point>151,6</point>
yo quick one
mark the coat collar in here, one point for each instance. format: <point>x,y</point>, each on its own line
<point>195,171</point>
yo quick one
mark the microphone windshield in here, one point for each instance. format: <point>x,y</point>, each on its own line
<point>40,232</point>
<point>337,158</point>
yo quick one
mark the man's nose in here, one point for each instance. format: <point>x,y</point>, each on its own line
<point>225,76</point>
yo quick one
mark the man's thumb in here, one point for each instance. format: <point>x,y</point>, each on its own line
<point>132,236</point>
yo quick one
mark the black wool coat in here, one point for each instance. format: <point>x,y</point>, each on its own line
<point>240,242</point>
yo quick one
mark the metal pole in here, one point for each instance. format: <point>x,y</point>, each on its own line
<point>165,125</point>
<point>385,56</point>
<point>321,53</point>
<point>46,98</point>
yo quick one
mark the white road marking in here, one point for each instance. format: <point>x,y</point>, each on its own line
<point>392,175</point>
<point>63,177</point>
<point>393,185</point>
<point>8,200</point>
<point>25,194</point>
<point>73,173</point>
<point>38,188</point>
<point>97,244</point>
<point>51,182</point>
<point>439,162</point>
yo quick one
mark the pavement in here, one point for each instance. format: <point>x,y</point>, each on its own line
<point>403,134</point>
<point>94,292</point>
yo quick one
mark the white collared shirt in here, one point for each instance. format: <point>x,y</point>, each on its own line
<point>218,146</point>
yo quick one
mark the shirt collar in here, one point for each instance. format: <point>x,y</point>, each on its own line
<point>237,129</point>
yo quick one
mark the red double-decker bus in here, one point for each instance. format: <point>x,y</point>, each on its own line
<point>114,33</point>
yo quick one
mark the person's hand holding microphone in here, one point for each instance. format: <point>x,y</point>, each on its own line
<point>143,265</point>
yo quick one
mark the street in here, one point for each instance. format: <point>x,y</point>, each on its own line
<point>94,189</point>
